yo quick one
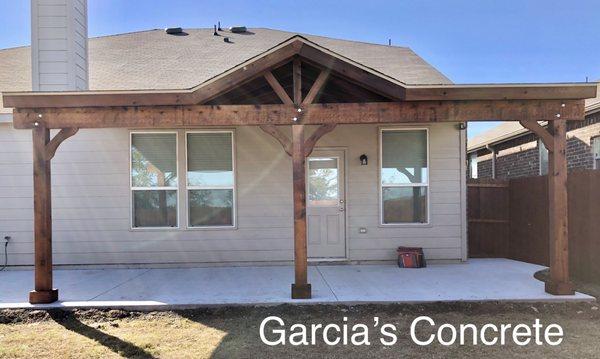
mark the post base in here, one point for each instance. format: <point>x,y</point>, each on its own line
<point>43,296</point>
<point>559,288</point>
<point>303,291</point>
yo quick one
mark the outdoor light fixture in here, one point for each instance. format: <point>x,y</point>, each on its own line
<point>364,160</point>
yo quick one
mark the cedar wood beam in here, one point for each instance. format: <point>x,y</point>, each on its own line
<point>555,140</point>
<point>316,87</point>
<point>540,131</point>
<point>301,289</point>
<point>297,78</point>
<point>321,131</point>
<point>341,113</point>
<point>278,89</point>
<point>279,136</point>
<point>52,146</point>
<point>42,216</point>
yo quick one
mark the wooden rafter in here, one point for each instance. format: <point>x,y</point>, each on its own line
<point>62,135</point>
<point>297,75</point>
<point>541,132</point>
<point>279,136</point>
<point>278,89</point>
<point>316,87</point>
<point>321,131</point>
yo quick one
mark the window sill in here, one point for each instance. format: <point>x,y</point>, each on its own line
<point>405,225</point>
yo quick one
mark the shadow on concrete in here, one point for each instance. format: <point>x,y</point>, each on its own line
<point>119,346</point>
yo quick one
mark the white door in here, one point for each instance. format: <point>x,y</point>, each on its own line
<point>325,204</point>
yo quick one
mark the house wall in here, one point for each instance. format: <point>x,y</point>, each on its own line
<point>519,157</point>
<point>91,211</point>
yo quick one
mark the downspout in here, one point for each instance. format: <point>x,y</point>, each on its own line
<point>493,151</point>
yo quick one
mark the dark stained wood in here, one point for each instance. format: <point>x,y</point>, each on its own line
<point>341,113</point>
<point>42,214</point>
<point>584,226</point>
<point>559,283</point>
<point>497,92</point>
<point>62,135</point>
<point>316,87</point>
<point>279,90</point>
<point>541,132</point>
<point>279,136</point>
<point>487,214</point>
<point>297,75</point>
<point>529,227</point>
<point>321,131</point>
<point>528,238</point>
<point>378,83</point>
<point>301,288</point>
<point>246,73</point>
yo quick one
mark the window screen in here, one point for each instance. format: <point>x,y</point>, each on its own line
<point>404,176</point>
<point>210,179</point>
<point>154,179</point>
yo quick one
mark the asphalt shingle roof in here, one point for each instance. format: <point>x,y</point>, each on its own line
<point>154,60</point>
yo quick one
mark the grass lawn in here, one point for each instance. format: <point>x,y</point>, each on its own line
<point>234,332</point>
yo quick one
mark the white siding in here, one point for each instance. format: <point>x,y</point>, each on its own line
<point>91,211</point>
<point>59,45</point>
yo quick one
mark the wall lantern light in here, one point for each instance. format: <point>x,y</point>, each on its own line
<point>364,160</point>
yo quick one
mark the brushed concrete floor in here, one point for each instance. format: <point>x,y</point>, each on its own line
<point>144,289</point>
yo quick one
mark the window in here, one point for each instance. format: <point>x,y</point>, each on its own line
<point>596,152</point>
<point>154,179</point>
<point>404,176</point>
<point>543,158</point>
<point>210,179</point>
<point>473,164</point>
<point>323,181</point>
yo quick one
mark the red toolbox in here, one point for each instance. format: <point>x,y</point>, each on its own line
<point>411,257</point>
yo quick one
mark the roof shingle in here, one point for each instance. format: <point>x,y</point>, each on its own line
<point>154,60</point>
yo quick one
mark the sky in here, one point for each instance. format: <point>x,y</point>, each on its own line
<point>477,41</point>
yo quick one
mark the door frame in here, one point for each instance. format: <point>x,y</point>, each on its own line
<point>344,150</point>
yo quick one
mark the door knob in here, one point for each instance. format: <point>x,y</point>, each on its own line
<point>341,209</point>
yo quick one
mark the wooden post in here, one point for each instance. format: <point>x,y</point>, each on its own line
<point>301,289</point>
<point>43,293</point>
<point>559,283</point>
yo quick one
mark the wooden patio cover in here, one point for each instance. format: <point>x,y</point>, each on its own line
<point>298,105</point>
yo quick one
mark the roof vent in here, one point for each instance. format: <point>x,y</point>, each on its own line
<point>238,29</point>
<point>174,30</point>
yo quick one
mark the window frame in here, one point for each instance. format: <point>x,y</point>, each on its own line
<point>338,159</point>
<point>234,187</point>
<point>473,163</point>
<point>422,184</point>
<point>131,188</point>
<point>595,159</point>
<point>542,149</point>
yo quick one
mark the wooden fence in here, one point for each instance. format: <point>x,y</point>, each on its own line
<point>509,219</point>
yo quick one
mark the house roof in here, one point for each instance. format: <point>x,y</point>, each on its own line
<point>509,130</point>
<point>154,60</point>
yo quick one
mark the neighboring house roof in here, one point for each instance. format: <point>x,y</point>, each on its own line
<point>509,130</point>
<point>154,60</point>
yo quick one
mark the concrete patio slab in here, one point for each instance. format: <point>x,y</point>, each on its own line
<point>154,289</point>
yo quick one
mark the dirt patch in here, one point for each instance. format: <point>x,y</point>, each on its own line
<point>233,332</point>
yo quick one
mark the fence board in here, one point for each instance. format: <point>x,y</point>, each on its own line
<point>525,236</point>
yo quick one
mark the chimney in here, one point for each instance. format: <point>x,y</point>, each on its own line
<point>59,45</point>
